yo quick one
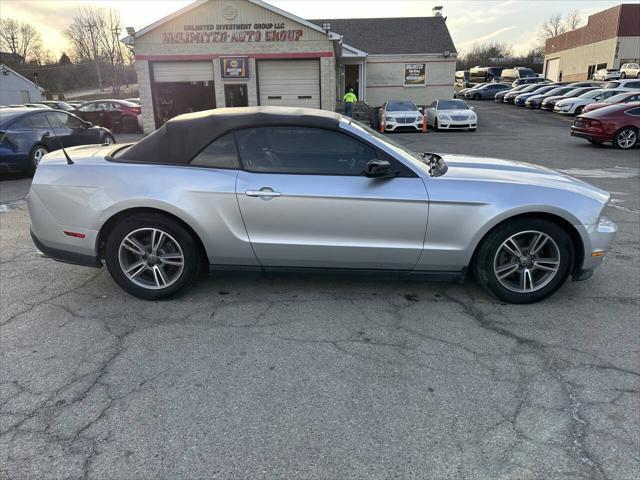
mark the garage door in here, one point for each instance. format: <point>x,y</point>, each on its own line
<point>294,83</point>
<point>553,69</point>
<point>182,72</point>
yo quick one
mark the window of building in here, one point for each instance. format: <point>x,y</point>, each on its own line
<point>221,153</point>
<point>302,150</point>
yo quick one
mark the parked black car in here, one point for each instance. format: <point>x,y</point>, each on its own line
<point>530,80</point>
<point>27,134</point>
<point>500,95</point>
<point>513,93</point>
<point>536,100</point>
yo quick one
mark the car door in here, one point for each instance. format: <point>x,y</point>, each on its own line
<point>45,131</point>
<point>75,129</point>
<point>89,112</point>
<point>306,203</point>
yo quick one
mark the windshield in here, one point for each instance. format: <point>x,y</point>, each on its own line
<point>544,90</point>
<point>621,97</point>
<point>400,150</point>
<point>558,91</point>
<point>577,91</point>
<point>611,85</point>
<point>590,94</point>
<point>401,107</point>
<point>452,105</point>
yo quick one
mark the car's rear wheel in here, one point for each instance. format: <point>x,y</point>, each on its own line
<point>626,138</point>
<point>579,110</point>
<point>476,96</point>
<point>525,260</point>
<point>35,156</point>
<point>151,256</point>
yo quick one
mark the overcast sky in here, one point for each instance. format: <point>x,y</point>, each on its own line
<point>512,21</point>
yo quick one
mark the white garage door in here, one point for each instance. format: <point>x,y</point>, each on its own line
<point>182,72</point>
<point>294,83</point>
<point>553,69</point>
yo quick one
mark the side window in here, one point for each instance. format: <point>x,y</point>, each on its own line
<point>65,120</point>
<point>301,150</point>
<point>89,107</point>
<point>221,153</point>
<point>632,85</point>
<point>634,111</point>
<point>39,121</point>
<point>633,98</point>
<point>54,119</point>
<point>23,123</point>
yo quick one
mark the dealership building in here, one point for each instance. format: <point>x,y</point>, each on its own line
<point>228,53</point>
<point>610,39</point>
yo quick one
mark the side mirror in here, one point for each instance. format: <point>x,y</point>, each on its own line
<point>379,169</point>
<point>88,124</point>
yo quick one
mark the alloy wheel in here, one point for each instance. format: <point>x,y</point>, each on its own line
<point>527,261</point>
<point>38,154</point>
<point>107,140</point>
<point>627,138</point>
<point>151,258</point>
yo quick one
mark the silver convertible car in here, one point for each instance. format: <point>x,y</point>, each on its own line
<point>270,188</point>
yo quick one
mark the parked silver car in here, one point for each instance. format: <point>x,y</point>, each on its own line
<point>271,188</point>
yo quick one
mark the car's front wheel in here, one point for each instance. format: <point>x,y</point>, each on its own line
<point>151,256</point>
<point>626,138</point>
<point>108,139</point>
<point>525,260</point>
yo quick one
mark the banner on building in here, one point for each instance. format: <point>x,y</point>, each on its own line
<point>415,74</point>
<point>234,67</point>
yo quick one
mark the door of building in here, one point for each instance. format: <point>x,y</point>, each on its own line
<point>235,96</point>
<point>292,83</point>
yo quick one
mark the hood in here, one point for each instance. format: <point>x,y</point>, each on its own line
<point>460,112</point>
<point>554,98</point>
<point>404,113</point>
<point>507,171</point>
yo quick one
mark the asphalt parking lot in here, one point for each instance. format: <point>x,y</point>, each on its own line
<point>328,377</point>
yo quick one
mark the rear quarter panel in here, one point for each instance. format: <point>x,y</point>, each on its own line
<point>85,195</point>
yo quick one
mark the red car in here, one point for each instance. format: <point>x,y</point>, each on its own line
<point>618,124</point>
<point>116,115</point>
<point>625,97</point>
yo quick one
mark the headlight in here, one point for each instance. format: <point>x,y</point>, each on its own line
<point>389,119</point>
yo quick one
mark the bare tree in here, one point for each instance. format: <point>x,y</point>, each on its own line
<point>482,53</point>
<point>20,38</point>
<point>573,20</point>
<point>94,35</point>
<point>551,27</point>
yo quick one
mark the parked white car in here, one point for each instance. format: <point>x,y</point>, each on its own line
<point>401,115</point>
<point>622,84</point>
<point>451,115</point>
<point>575,105</point>
<point>630,70</point>
<point>606,74</point>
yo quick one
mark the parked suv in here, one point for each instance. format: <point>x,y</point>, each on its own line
<point>630,70</point>
<point>512,74</point>
<point>626,84</point>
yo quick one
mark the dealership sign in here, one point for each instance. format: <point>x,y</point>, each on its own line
<point>415,74</point>
<point>234,67</point>
<point>233,33</point>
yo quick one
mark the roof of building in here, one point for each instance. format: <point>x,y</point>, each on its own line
<point>180,139</point>
<point>4,68</point>
<point>400,35</point>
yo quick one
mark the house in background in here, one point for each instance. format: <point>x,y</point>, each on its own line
<point>16,89</point>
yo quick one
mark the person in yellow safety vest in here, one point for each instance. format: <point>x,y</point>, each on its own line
<point>349,100</point>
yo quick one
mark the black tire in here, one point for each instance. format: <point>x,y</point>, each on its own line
<point>618,138</point>
<point>472,129</point>
<point>476,96</point>
<point>483,263</point>
<point>33,158</point>
<point>108,138</point>
<point>435,125</point>
<point>184,239</point>
<point>579,111</point>
<point>623,76</point>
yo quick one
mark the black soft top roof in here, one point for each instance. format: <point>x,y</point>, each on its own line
<point>183,137</point>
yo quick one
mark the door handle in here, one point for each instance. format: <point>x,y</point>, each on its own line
<point>263,192</point>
